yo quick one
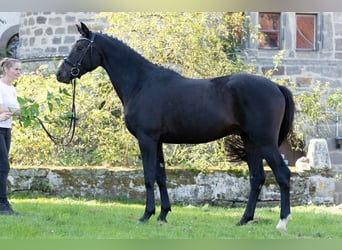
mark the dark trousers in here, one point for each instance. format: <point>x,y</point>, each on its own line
<point>5,143</point>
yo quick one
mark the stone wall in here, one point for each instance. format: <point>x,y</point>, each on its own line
<point>46,37</point>
<point>304,67</point>
<point>216,187</point>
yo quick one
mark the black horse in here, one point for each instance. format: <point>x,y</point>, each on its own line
<point>162,106</point>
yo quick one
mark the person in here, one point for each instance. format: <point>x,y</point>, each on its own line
<point>9,107</point>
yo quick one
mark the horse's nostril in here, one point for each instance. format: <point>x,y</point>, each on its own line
<point>59,76</point>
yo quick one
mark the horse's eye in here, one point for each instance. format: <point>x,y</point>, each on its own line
<point>79,47</point>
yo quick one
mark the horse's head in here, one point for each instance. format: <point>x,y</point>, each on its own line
<point>82,58</point>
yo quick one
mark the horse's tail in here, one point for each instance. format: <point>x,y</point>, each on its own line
<point>235,148</point>
<point>234,145</point>
<point>286,124</point>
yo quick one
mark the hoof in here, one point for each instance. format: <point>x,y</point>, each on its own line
<point>145,217</point>
<point>244,221</point>
<point>161,222</point>
<point>139,222</point>
<point>161,219</point>
<point>163,214</point>
<point>281,227</point>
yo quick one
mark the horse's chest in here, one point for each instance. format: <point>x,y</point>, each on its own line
<point>141,119</point>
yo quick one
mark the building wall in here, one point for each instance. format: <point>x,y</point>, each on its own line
<point>305,67</point>
<point>8,29</point>
<point>46,37</point>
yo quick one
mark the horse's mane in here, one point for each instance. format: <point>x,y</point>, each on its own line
<point>123,46</point>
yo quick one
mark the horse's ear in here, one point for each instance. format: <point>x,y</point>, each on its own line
<point>83,29</point>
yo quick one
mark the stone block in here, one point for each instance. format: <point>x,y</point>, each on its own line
<point>303,81</point>
<point>336,157</point>
<point>338,198</point>
<point>318,154</point>
<point>293,70</point>
<point>279,71</point>
<point>41,19</point>
<point>338,55</point>
<point>322,189</point>
<point>338,44</point>
<point>338,186</point>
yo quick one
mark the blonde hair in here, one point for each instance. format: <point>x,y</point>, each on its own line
<point>8,62</point>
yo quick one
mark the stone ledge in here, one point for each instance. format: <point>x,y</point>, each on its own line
<point>217,187</point>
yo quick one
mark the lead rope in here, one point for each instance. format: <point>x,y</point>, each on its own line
<point>72,124</point>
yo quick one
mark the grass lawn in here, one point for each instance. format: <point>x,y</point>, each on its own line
<point>67,218</point>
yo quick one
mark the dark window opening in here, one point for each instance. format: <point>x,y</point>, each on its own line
<point>269,31</point>
<point>12,46</point>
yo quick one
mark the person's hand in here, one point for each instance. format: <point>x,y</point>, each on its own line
<point>5,115</point>
<point>14,111</point>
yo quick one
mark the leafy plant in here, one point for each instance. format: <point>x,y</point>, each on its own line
<point>205,44</point>
<point>317,111</point>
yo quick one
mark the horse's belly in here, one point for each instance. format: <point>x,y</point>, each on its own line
<point>197,127</point>
<point>189,140</point>
<point>193,136</point>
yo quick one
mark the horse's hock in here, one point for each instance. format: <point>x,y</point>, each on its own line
<point>313,183</point>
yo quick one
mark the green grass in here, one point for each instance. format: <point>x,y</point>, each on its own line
<point>66,218</point>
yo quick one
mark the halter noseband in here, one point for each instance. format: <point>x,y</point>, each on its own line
<point>75,71</point>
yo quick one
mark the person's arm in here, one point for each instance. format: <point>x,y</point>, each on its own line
<point>5,115</point>
<point>12,111</point>
<point>3,109</point>
<point>15,112</point>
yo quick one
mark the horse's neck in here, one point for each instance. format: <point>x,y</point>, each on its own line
<point>125,73</point>
<point>122,89</point>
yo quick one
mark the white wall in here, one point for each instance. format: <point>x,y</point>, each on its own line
<point>11,19</point>
<point>8,29</point>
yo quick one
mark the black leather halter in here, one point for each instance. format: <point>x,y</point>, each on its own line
<point>75,71</point>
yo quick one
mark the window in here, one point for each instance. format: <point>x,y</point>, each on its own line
<point>306,31</point>
<point>269,30</point>
<point>12,46</point>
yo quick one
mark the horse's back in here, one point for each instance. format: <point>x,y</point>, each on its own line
<point>252,83</point>
<point>251,90</point>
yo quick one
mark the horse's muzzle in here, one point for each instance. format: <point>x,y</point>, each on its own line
<point>63,77</point>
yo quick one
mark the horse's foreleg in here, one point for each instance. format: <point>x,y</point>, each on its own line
<point>256,179</point>
<point>282,176</point>
<point>148,149</point>
<point>161,181</point>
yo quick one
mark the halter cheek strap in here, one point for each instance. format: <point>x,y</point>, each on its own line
<point>75,71</point>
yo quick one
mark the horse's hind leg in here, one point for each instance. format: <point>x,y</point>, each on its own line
<point>282,176</point>
<point>161,181</point>
<point>256,179</point>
